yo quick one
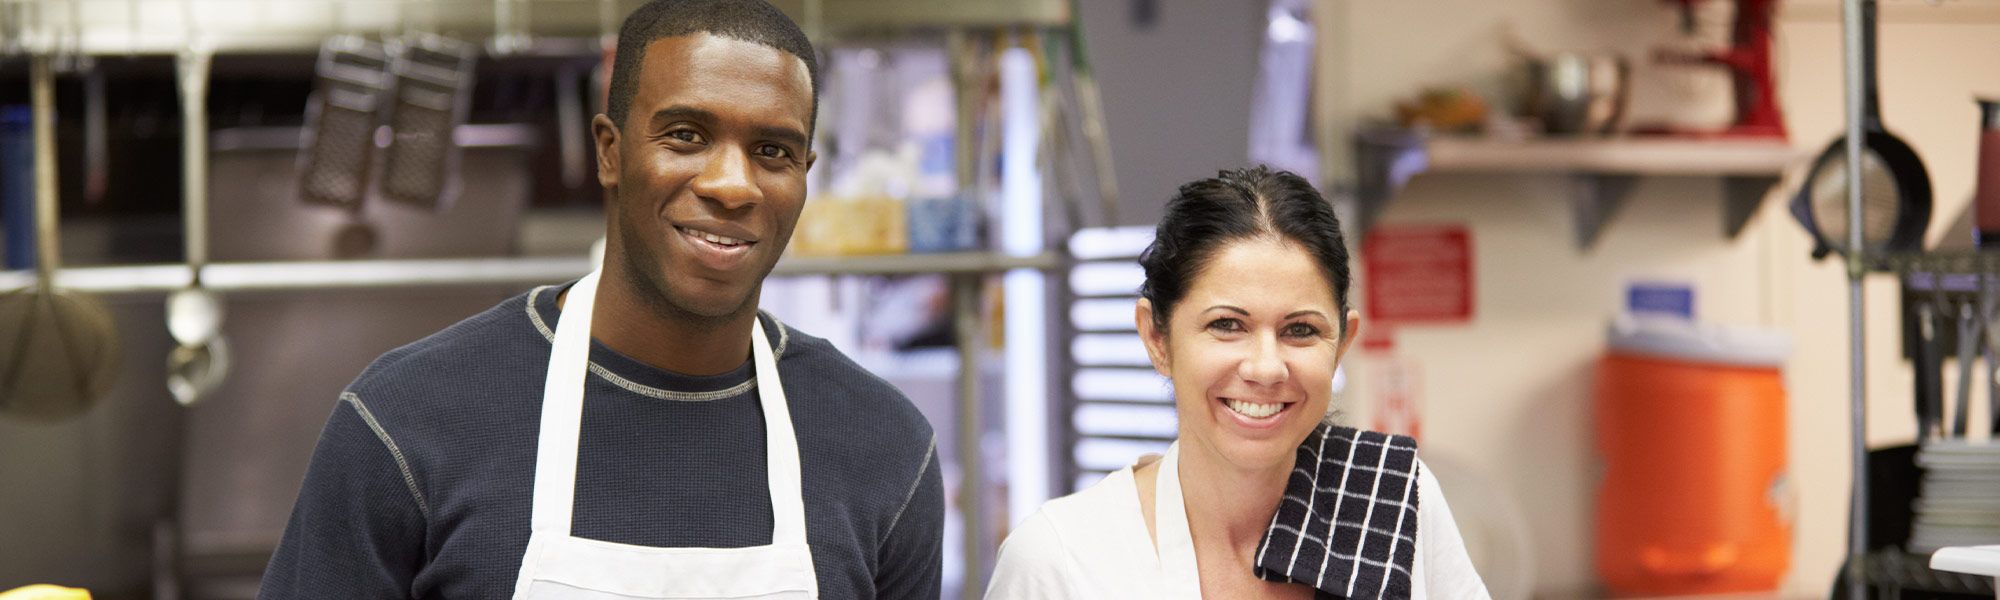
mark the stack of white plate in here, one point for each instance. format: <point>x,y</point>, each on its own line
<point>1960,505</point>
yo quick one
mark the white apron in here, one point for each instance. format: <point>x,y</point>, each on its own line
<point>558,566</point>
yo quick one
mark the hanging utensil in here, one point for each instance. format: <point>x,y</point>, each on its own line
<point>195,372</point>
<point>339,150</point>
<point>510,28</point>
<point>1059,179</point>
<point>63,354</point>
<point>339,146</point>
<point>433,85</point>
<point>1970,328</point>
<point>1992,338</point>
<point>1938,310</point>
<point>1091,106</point>
<point>1990,347</point>
<point>1896,189</point>
<point>96,159</point>
<point>198,364</point>
<point>1927,379</point>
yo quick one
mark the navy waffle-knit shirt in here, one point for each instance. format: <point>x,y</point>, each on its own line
<point>422,481</point>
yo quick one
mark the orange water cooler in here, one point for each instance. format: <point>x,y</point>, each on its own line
<point>1690,425</point>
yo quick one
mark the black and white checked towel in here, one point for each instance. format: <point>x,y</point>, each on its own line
<point>1348,523</point>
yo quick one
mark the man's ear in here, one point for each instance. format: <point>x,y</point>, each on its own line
<point>811,157</point>
<point>605,134</point>
<point>1154,337</point>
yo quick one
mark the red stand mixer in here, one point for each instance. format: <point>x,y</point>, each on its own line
<point>1748,58</point>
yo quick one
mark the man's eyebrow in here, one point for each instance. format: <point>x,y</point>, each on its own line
<point>682,112</point>
<point>785,135</point>
<point>679,112</point>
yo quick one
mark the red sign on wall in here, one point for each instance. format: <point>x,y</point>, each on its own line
<point>1418,273</point>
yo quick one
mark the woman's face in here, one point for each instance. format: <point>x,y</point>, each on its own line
<point>1251,352</point>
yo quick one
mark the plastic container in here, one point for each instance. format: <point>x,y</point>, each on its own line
<point>1690,425</point>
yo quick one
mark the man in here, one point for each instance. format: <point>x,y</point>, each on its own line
<point>485,462</point>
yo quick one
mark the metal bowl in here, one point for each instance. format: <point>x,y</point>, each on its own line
<point>1581,94</point>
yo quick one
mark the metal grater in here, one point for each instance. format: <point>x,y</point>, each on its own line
<point>433,86</point>
<point>343,113</point>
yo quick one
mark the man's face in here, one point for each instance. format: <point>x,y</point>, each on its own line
<point>708,172</point>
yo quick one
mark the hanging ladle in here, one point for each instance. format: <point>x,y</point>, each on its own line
<point>200,360</point>
<point>61,349</point>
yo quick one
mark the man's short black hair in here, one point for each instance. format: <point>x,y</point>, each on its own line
<point>754,21</point>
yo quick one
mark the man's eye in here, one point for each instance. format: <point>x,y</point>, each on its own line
<point>773,151</point>
<point>685,136</point>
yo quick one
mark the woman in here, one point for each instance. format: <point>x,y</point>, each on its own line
<point>1245,311</point>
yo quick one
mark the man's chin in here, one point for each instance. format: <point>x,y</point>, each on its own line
<point>711,303</point>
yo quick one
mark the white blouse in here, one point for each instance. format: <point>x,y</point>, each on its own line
<point>1093,544</point>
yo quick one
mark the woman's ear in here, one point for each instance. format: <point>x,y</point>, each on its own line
<point>1154,337</point>
<point>1352,332</point>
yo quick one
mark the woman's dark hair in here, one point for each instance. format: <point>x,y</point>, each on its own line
<point>1235,205</point>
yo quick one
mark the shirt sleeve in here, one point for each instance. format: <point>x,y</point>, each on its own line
<point>1446,569</point>
<point>357,530</point>
<point>911,560</point>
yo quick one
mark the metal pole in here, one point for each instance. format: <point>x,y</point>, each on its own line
<point>194,62</point>
<point>967,89</point>
<point>43,91</point>
<point>1857,525</point>
<point>971,478</point>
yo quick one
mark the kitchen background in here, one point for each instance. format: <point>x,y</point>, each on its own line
<point>140,497</point>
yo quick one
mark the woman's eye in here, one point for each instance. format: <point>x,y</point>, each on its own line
<point>1301,330</point>
<point>1226,325</point>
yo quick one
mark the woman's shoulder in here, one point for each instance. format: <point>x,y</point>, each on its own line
<point>1044,556</point>
<point>1091,516</point>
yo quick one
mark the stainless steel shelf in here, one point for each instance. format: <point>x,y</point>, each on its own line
<point>1604,169</point>
<point>362,274</point>
<point>116,27</point>
<point>1947,263</point>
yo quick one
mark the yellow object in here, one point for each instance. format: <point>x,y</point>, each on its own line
<point>835,226</point>
<point>1443,109</point>
<point>45,592</point>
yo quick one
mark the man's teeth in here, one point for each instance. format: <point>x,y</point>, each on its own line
<point>717,239</point>
<point>1254,410</point>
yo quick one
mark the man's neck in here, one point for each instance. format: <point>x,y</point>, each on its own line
<point>665,338</point>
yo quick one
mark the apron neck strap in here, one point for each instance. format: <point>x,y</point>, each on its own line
<point>562,410</point>
<point>781,445</point>
<point>562,421</point>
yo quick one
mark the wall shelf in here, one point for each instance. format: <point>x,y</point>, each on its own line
<point>1604,170</point>
<point>529,27</point>
<point>399,273</point>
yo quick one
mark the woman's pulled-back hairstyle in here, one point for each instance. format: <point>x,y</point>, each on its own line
<point>1240,204</point>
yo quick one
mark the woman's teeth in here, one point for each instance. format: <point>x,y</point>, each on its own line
<point>1253,410</point>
